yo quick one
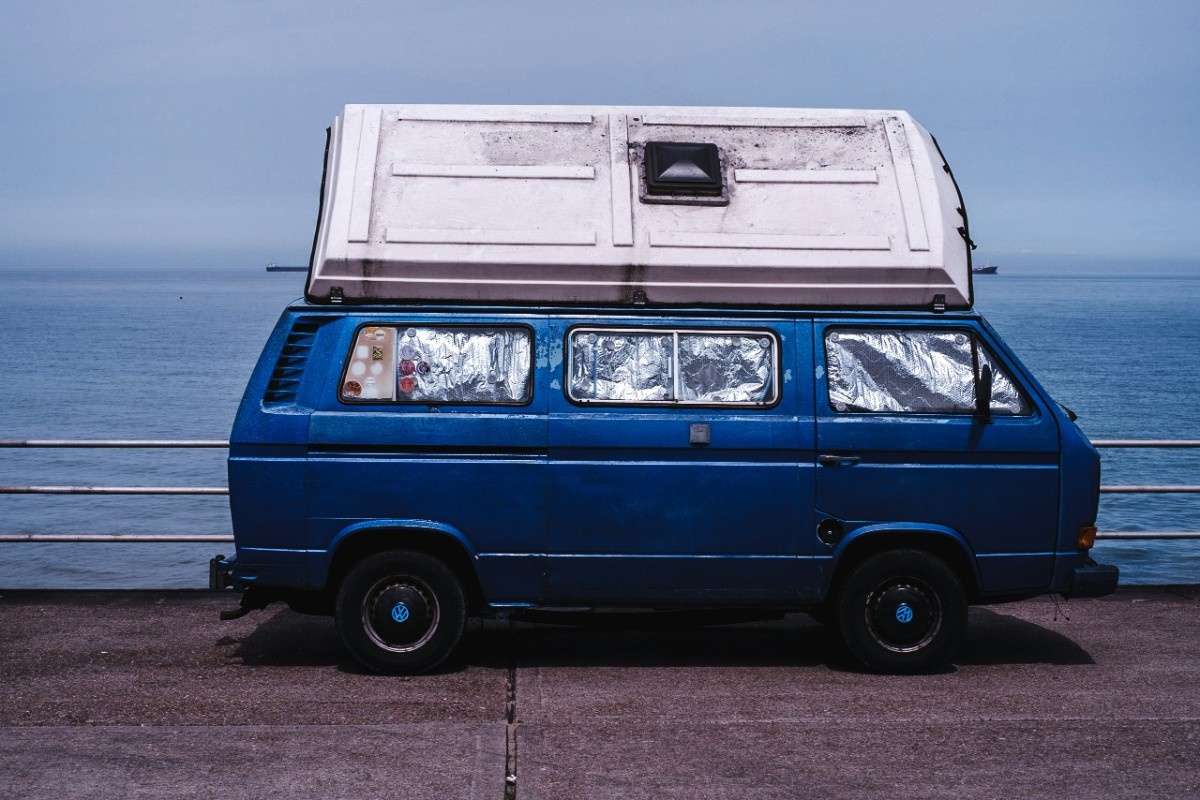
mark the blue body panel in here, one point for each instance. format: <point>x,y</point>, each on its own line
<point>993,485</point>
<point>559,503</point>
<point>637,514</point>
<point>476,470</point>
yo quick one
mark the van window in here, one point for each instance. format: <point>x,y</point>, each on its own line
<point>674,366</point>
<point>913,371</point>
<point>452,364</point>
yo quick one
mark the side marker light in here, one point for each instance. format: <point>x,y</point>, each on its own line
<point>1086,538</point>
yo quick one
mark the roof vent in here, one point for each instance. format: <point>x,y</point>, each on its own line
<point>684,168</point>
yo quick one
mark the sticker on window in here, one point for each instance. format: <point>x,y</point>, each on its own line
<point>371,373</point>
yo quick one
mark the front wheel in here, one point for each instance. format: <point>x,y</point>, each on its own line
<point>902,612</point>
<point>400,613</point>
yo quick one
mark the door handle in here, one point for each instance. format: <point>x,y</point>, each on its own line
<point>837,461</point>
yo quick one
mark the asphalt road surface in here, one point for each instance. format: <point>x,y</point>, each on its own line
<point>149,695</point>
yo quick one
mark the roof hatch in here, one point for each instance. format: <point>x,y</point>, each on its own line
<point>683,168</point>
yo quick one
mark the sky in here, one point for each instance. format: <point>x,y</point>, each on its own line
<point>188,133</point>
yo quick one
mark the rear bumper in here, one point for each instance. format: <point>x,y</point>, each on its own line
<point>220,572</point>
<point>1093,580</point>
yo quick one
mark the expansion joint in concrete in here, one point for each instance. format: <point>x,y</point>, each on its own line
<point>510,718</point>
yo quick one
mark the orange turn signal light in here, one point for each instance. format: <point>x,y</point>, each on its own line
<point>1086,538</point>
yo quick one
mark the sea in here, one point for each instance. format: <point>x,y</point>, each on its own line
<point>164,353</point>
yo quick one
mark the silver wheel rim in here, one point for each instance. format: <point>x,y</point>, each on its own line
<point>872,606</point>
<point>397,582</point>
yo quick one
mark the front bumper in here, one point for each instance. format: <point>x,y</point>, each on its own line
<point>1093,580</point>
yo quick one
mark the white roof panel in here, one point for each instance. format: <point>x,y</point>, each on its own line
<point>548,204</point>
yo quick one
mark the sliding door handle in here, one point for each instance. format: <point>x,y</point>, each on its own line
<point>837,461</point>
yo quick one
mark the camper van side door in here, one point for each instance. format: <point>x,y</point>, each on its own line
<point>680,464</point>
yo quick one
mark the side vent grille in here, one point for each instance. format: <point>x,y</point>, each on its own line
<point>285,380</point>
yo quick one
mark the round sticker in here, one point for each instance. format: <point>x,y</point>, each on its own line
<point>407,367</point>
<point>407,385</point>
<point>423,368</point>
<point>351,389</point>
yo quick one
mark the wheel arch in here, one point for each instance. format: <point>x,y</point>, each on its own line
<point>442,542</point>
<point>941,542</point>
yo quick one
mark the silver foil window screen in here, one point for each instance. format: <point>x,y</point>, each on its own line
<point>621,366</point>
<point>685,367</point>
<point>725,369</point>
<point>453,365</point>
<point>913,371</point>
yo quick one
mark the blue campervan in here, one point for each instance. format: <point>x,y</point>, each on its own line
<point>662,358</point>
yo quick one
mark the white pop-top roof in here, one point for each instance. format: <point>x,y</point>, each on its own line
<point>549,204</point>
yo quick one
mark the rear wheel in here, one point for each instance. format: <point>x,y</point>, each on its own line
<point>902,611</point>
<point>400,612</point>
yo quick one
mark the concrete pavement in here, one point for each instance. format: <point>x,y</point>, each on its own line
<point>147,694</point>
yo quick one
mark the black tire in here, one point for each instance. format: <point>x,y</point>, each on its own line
<point>400,612</point>
<point>902,612</point>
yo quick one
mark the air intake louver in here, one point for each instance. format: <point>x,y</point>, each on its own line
<point>285,380</point>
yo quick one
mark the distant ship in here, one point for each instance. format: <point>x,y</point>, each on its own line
<point>273,267</point>
<point>988,269</point>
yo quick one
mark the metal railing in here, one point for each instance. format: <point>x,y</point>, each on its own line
<point>223,490</point>
<point>1148,444</point>
<point>103,444</point>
